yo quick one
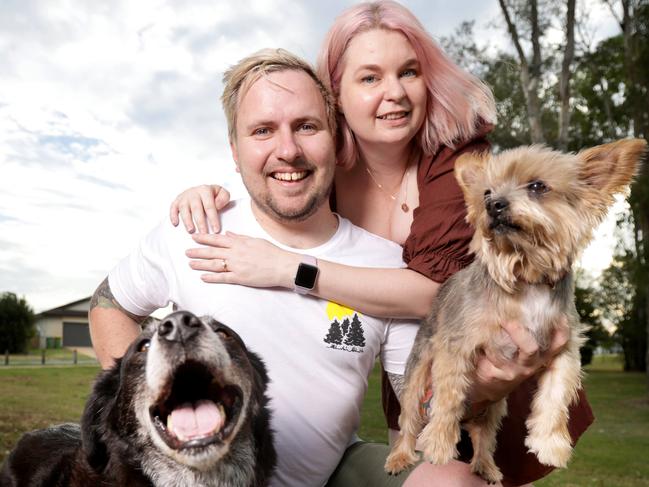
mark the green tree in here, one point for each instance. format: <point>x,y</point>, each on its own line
<point>633,18</point>
<point>16,323</point>
<point>618,298</point>
<point>586,302</point>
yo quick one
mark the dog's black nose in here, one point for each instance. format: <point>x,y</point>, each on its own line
<point>179,327</point>
<point>496,207</point>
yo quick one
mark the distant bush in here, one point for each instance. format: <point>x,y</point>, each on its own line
<point>16,323</point>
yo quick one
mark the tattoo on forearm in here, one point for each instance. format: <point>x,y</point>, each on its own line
<point>103,298</point>
<point>397,381</point>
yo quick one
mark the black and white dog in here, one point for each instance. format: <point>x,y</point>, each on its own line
<point>186,405</point>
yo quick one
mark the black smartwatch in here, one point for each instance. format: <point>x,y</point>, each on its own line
<point>306,275</point>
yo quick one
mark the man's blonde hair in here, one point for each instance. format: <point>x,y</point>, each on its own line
<point>239,78</point>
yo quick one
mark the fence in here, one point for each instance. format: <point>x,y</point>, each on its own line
<point>49,357</point>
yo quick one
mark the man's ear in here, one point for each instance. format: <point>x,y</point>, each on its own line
<point>235,154</point>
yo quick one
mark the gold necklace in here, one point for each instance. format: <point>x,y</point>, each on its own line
<point>404,206</point>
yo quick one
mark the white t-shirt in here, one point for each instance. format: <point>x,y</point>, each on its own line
<point>318,353</point>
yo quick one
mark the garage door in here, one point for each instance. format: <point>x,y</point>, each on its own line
<point>76,335</point>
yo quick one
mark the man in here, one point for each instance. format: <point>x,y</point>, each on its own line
<point>318,353</point>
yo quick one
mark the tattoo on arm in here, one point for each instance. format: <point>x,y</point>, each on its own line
<point>398,382</point>
<point>103,298</point>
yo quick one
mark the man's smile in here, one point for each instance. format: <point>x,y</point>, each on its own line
<point>290,176</point>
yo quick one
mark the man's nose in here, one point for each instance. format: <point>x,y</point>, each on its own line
<point>179,327</point>
<point>288,147</point>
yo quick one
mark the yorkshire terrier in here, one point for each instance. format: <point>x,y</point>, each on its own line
<point>533,210</point>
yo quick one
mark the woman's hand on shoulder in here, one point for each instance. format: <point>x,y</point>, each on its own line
<point>199,205</point>
<point>238,259</point>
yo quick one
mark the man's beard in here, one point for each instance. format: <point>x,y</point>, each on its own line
<point>269,206</point>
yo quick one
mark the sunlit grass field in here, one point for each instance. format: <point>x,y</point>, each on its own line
<point>614,452</point>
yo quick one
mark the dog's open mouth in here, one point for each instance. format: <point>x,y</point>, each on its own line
<point>195,408</point>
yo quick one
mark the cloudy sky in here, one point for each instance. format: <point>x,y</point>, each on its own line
<point>110,109</point>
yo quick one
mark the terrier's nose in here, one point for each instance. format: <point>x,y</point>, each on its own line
<point>496,207</point>
<point>179,327</point>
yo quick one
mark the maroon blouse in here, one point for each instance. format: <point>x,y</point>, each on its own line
<point>437,247</point>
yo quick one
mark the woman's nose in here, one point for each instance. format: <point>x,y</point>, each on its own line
<point>394,89</point>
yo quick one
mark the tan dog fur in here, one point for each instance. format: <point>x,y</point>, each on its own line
<point>533,210</point>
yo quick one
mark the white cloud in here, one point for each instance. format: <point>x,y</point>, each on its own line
<point>109,109</point>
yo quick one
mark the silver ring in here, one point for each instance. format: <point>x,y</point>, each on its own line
<point>225,265</point>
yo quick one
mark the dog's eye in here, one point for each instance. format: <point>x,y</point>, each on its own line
<point>487,194</point>
<point>222,333</point>
<point>144,345</point>
<point>537,188</point>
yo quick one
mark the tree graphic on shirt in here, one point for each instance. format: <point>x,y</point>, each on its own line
<point>355,337</point>
<point>346,336</point>
<point>345,326</point>
<point>335,336</point>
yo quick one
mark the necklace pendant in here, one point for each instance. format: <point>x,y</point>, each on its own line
<point>405,208</point>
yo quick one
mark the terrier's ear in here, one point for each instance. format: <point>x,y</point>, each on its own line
<point>468,168</point>
<point>611,167</point>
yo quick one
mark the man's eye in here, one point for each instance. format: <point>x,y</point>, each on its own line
<point>261,131</point>
<point>307,127</point>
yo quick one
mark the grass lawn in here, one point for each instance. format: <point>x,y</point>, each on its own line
<point>37,397</point>
<point>614,452</point>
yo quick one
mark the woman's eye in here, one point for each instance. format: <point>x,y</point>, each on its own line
<point>308,127</point>
<point>368,79</point>
<point>537,188</point>
<point>409,73</point>
<point>144,346</point>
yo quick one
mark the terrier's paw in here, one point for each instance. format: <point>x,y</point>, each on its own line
<point>398,461</point>
<point>487,470</point>
<point>438,448</point>
<point>554,450</point>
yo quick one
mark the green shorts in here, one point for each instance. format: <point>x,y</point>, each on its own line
<point>362,465</point>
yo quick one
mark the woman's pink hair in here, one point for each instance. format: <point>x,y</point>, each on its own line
<point>458,102</point>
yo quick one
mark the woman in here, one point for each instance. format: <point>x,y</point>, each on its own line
<point>406,114</point>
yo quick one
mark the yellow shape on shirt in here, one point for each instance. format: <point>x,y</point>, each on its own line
<point>335,310</point>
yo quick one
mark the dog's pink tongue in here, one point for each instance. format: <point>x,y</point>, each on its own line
<point>197,420</point>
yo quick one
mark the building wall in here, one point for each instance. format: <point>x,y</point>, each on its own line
<point>53,327</point>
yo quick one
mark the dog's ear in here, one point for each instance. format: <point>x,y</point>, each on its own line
<point>264,435</point>
<point>468,168</point>
<point>95,419</point>
<point>611,167</point>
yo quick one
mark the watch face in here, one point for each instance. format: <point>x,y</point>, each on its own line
<point>306,275</point>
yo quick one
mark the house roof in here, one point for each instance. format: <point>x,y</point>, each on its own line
<point>65,309</point>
